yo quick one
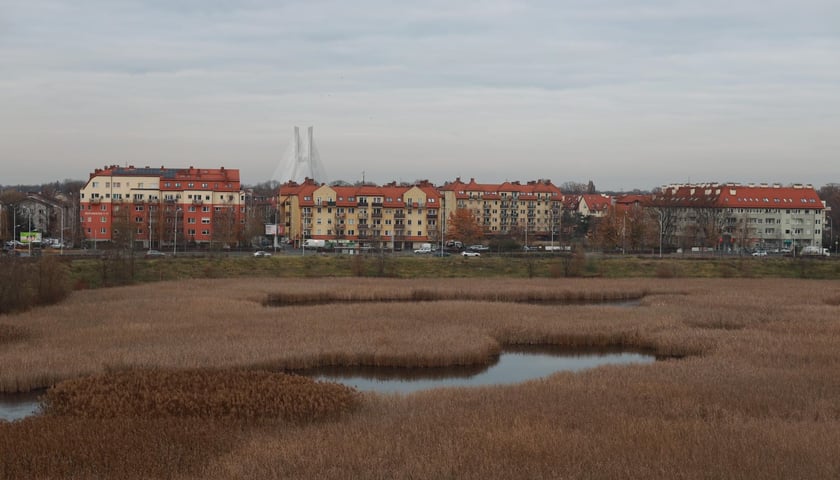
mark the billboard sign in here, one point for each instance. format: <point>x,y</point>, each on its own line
<point>273,229</point>
<point>30,237</point>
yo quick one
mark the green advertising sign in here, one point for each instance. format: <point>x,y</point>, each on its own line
<point>30,237</point>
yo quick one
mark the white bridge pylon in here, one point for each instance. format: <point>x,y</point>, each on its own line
<point>301,160</point>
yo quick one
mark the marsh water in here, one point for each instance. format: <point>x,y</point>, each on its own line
<point>512,366</point>
<point>14,406</point>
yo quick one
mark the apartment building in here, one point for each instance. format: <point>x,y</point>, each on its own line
<point>403,216</point>
<point>735,216</point>
<point>362,216</point>
<point>533,208</point>
<point>163,207</point>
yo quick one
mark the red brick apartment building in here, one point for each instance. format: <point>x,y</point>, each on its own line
<point>163,207</point>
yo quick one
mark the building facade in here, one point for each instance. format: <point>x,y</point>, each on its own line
<point>363,216</point>
<point>403,216</point>
<point>511,208</point>
<point>163,207</point>
<point>734,216</point>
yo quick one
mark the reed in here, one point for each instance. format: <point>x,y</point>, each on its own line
<point>754,395</point>
<point>12,333</point>
<point>199,393</point>
<point>557,297</point>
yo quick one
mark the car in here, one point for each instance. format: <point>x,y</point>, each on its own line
<point>154,253</point>
<point>759,253</point>
<point>478,248</point>
<point>469,253</point>
<point>262,253</point>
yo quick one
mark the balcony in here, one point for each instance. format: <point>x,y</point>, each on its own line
<point>95,201</point>
<point>197,201</point>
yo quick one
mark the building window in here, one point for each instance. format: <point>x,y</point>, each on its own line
<point>205,221</point>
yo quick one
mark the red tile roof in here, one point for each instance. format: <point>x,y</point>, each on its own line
<point>597,202</point>
<point>738,196</point>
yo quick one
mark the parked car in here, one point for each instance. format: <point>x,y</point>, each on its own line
<point>262,253</point>
<point>470,253</point>
<point>478,248</point>
<point>759,253</point>
<point>154,253</point>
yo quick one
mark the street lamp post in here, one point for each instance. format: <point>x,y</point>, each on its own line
<point>623,233</point>
<point>175,233</point>
<point>29,238</point>
<point>661,222</point>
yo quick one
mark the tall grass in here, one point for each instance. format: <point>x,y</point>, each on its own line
<point>91,273</point>
<point>754,396</point>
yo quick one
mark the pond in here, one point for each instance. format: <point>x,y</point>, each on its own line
<point>512,366</point>
<point>14,406</point>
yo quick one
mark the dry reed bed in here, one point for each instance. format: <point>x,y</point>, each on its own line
<point>221,323</point>
<point>205,393</point>
<point>558,297</point>
<point>760,399</point>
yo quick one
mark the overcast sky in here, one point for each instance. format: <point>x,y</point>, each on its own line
<point>630,94</point>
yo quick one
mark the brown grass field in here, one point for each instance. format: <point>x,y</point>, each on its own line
<point>181,380</point>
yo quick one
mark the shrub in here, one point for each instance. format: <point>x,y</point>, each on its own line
<point>26,283</point>
<point>666,270</point>
<point>357,266</point>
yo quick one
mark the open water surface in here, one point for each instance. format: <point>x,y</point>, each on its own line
<point>512,366</point>
<point>14,406</point>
